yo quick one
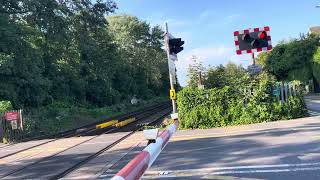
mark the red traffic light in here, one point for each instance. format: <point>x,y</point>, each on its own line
<point>262,35</point>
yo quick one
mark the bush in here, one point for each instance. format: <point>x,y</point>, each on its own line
<point>218,107</point>
<point>5,106</point>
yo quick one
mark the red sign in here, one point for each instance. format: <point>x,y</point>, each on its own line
<point>11,116</point>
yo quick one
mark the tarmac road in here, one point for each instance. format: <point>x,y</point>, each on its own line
<point>278,150</point>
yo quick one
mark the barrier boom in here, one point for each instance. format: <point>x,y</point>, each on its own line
<point>141,162</point>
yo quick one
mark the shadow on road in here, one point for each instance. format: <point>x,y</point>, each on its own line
<point>264,147</point>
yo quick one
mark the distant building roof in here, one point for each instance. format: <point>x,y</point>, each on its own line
<point>315,30</point>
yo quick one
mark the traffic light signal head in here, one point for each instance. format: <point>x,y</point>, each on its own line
<point>246,38</point>
<point>262,35</point>
<point>252,40</point>
<point>175,45</point>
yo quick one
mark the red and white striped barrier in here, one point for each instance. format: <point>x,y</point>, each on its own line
<point>141,162</point>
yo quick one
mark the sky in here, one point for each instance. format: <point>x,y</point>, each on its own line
<point>207,26</point>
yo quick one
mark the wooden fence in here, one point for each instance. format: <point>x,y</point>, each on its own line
<point>281,90</point>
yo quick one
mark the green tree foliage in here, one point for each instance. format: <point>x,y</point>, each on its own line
<point>262,58</point>
<point>234,105</point>
<point>232,96</point>
<point>316,65</point>
<point>194,70</point>
<point>141,56</point>
<point>293,60</point>
<point>21,64</point>
<point>66,51</point>
<point>215,77</point>
<point>229,75</point>
<point>5,106</point>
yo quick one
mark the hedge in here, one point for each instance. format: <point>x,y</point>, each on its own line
<point>208,108</point>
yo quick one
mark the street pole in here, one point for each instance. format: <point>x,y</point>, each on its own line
<point>200,78</point>
<point>174,108</point>
<point>253,60</point>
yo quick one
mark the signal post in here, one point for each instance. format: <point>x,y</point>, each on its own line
<point>250,41</point>
<point>142,161</point>
<point>173,47</point>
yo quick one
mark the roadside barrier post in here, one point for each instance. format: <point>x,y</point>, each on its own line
<point>141,162</point>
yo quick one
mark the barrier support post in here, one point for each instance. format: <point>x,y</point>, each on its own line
<point>142,162</point>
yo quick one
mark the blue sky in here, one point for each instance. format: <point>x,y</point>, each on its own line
<point>207,26</point>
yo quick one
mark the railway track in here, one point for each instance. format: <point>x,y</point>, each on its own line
<point>76,166</point>
<point>89,129</point>
<point>130,122</point>
<point>92,126</point>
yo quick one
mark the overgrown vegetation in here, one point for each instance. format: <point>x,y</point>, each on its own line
<point>67,51</point>
<point>226,101</point>
<point>233,105</point>
<point>233,96</point>
<point>5,106</point>
<point>296,59</point>
<point>59,117</point>
<point>59,58</point>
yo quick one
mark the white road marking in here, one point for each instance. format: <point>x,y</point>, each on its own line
<point>249,167</point>
<point>316,101</point>
<point>232,133</point>
<point>241,169</point>
<point>313,113</point>
<point>266,171</point>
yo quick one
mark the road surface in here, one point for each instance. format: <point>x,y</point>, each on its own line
<point>277,150</point>
<point>313,105</point>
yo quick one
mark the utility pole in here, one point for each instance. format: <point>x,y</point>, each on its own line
<point>200,78</point>
<point>200,82</point>
<point>253,60</point>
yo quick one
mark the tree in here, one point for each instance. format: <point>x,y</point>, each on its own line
<point>194,71</point>
<point>292,60</point>
<point>262,58</point>
<point>141,56</point>
<point>21,65</point>
<point>40,50</point>
<point>215,77</point>
<point>228,75</point>
<point>67,51</point>
<point>235,74</point>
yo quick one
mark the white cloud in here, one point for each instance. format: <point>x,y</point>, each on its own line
<point>210,55</point>
<point>178,23</point>
<point>244,59</point>
<point>207,14</point>
<point>159,18</point>
<point>231,18</point>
